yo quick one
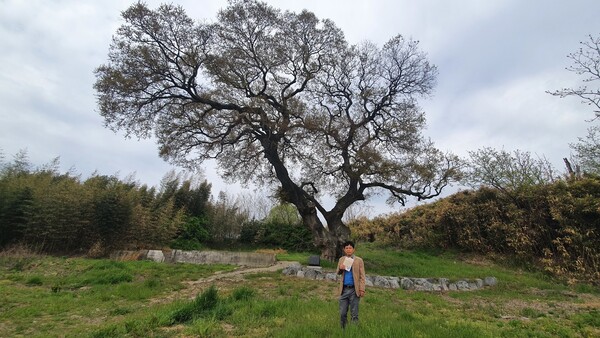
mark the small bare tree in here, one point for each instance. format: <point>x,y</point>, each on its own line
<point>507,171</point>
<point>586,62</point>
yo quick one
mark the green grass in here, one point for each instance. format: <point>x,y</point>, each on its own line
<point>76,297</point>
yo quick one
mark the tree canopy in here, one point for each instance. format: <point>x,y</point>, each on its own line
<point>278,97</point>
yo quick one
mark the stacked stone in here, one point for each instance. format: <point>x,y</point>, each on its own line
<point>406,283</point>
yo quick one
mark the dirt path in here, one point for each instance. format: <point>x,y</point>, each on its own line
<point>238,274</point>
<point>192,288</point>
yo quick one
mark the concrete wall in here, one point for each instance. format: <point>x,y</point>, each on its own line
<point>251,259</point>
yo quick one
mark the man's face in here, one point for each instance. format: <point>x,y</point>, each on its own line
<point>348,250</point>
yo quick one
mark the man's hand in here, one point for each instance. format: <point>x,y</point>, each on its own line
<point>361,293</point>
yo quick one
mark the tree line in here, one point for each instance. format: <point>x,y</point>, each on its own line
<point>516,208</point>
<point>62,213</point>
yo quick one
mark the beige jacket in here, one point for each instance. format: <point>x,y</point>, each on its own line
<point>358,273</point>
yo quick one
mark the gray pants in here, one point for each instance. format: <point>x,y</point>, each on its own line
<point>348,299</point>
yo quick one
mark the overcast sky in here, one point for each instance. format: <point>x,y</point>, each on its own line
<point>496,59</point>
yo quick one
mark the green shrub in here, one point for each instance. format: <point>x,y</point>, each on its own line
<point>292,237</point>
<point>252,232</point>
<point>192,234</point>
<point>186,244</point>
<point>555,225</point>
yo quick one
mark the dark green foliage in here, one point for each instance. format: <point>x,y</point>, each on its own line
<point>192,234</point>
<point>14,208</point>
<point>293,237</point>
<point>111,212</point>
<point>251,231</point>
<point>186,244</point>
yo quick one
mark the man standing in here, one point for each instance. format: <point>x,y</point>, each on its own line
<point>352,283</point>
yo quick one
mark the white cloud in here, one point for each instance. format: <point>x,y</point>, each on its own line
<point>517,114</point>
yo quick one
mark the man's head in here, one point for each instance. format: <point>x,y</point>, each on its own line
<point>348,247</point>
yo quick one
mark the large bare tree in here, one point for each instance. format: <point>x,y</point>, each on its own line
<point>278,97</point>
<point>585,62</point>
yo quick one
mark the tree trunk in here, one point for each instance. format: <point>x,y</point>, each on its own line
<point>329,240</point>
<point>338,233</point>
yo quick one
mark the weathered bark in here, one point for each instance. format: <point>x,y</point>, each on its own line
<point>328,239</point>
<point>339,233</point>
<point>569,167</point>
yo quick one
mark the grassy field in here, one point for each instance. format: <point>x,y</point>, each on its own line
<point>75,297</point>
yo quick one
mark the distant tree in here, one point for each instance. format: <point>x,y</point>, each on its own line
<point>19,166</point>
<point>226,218</point>
<point>281,97</point>
<point>285,213</point>
<point>506,171</point>
<point>586,62</point>
<point>587,151</point>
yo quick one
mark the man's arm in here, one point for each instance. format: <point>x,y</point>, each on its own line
<point>341,267</point>
<point>362,279</point>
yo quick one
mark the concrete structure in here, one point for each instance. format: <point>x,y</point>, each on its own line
<point>250,259</point>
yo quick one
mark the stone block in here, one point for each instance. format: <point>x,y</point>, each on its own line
<point>462,285</point>
<point>381,282</point>
<point>443,284</point>
<point>490,281</point>
<point>292,269</point>
<point>155,255</point>
<point>310,273</point>
<point>331,276</point>
<point>407,283</point>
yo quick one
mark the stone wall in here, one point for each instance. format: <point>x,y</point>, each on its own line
<point>406,283</point>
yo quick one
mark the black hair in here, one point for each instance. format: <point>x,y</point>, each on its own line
<point>346,243</point>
